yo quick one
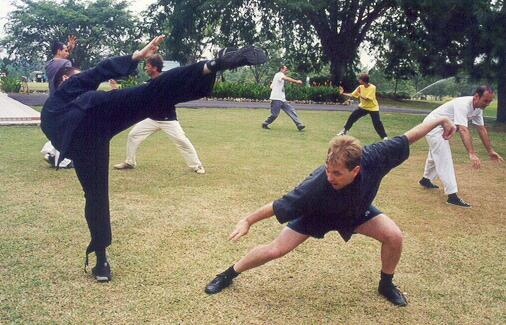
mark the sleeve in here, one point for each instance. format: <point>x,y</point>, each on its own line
<point>387,154</point>
<point>460,114</point>
<point>356,92</point>
<point>295,203</point>
<point>110,68</point>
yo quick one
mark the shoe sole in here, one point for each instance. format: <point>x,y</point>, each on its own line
<point>253,55</point>
<point>460,206</point>
<point>102,278</point>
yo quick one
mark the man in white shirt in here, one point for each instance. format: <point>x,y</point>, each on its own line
<point>278,99</point>
<point>439,161</point>
<point>165,121</point>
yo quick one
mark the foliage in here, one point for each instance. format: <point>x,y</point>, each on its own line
<point>262,92</point>
<point>446,37</point>
<point>10,84</point>
<point>103,28</point>
<point>131,81</point>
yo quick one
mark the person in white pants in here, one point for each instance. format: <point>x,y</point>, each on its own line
<point>167,122</point>
<point>439,162</point>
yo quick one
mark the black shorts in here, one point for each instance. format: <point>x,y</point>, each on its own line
<point>308,227</point>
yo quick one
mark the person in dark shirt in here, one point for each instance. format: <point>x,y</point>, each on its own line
<point>336,196</point>
<point>81,121</point>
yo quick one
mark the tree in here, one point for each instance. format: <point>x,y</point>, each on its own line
<point>446,37</point>
<point>335,29</point>
<point>103,28</point>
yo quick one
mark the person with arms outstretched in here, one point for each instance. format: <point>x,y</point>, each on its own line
<point>337,196</point>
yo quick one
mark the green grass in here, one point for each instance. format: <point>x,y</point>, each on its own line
<point>170,229</point>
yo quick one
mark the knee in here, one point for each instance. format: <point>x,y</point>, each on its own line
<point>394,237</point>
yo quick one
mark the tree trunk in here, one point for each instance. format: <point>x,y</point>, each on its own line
<point>501,90</point>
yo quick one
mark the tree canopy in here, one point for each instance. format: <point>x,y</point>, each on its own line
<point>103,27</point>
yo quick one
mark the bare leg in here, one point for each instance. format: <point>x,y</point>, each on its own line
<point>286,241</point>
<point>384,229</point>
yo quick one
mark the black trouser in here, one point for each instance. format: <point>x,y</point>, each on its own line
<point>376,121</point>
<point>120,109</point>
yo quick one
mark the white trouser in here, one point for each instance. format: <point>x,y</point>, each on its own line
<point>145,128</point>
<point>439,161</point>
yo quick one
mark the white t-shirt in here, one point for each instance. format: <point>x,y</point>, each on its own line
<point>278,87</point>
<point>459,110</point>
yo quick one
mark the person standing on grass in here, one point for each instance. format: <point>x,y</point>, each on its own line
<point>278,99</point>
<point>81,121</point>
<point>337,196</point>
<point>439,161</point>
<point>61,53</point>
<point>167,122</point>
<point>366,93</point>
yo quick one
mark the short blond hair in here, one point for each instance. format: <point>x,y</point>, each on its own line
<point>345,149</point>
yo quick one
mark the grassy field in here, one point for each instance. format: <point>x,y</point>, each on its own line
<point>170,229</point>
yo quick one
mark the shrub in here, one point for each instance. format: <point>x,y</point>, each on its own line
<point>131,81</point>
<point>262,92</point>
<point>10,84</point>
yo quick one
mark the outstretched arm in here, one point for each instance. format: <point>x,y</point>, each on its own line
<point>244,224</point>
<point>294,81</point>
<point>482,131</point>
<point>467,140</point>
<point>422,129</point>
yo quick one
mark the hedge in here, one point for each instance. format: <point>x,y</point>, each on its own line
<point>262,92</point>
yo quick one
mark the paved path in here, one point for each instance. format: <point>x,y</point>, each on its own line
<point>39,99</point>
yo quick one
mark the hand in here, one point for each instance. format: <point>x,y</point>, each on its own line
<point>240,230</point>
<point>475,160</point>
<point>300,82</point>
<point>149,49</point>
<point>71,42</point>
<point>340,89</point>
<point>114,84</point>
<point>494,156</point>
<point>449,128</point>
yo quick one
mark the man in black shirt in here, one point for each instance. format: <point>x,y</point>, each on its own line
<point>337,196</point>
<point>81,121</point>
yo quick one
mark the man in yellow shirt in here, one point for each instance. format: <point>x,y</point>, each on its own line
<point>366,92</point>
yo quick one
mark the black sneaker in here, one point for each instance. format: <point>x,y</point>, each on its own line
<point>392,294</point>
<point>425,182</point>
<point>301,127</point>
<point>455,200</point>
<point>220,282</point>
<point>265,126</point>
<point>226,50</point>
<point>249,55</point>
<point>102,273</point>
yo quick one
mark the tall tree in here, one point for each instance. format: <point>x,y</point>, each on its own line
<point>103,27</point>
<point>446,37</point>
<point>335,29</point>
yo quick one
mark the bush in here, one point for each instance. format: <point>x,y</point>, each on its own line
<point>397,96</point>
<point>10,84</point>
<point>131,81</point>
<point>262,92</point>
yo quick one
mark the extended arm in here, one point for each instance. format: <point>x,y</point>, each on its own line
<point>295,81</point>
<point>465,135</point>
<point>244,224</point>
<point>482,131</point>
<point>422,129</point>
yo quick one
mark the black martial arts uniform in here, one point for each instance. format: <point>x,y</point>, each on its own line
<point>80,122</point>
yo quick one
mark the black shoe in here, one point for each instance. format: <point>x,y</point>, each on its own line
<point>265,126</point>
<point>425,182</point>
<point>392,294</point>
<point>249,55</point>
<point>226,50</point>
<point>220,282</point>
<point>301,127</point>
<point>102,272</point>
<point>455,200</point>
